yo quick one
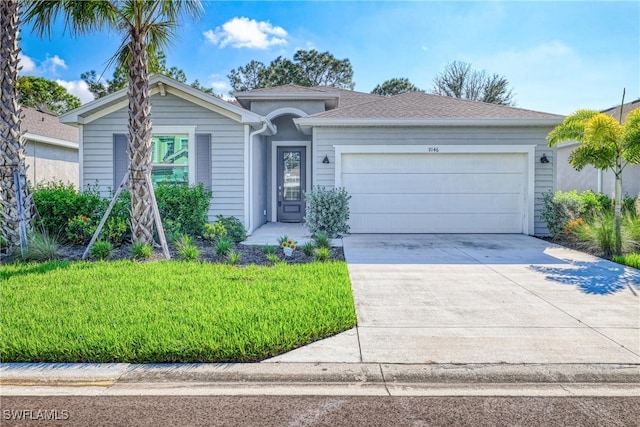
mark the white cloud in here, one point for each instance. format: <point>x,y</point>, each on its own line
<point>52,63</point>
<point>244,32</point>
<point>28,65</point>
<point>78,88</point>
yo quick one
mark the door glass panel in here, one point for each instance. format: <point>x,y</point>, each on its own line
<point>291,171</point>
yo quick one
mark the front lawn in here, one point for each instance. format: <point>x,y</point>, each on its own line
<point>124,311</point>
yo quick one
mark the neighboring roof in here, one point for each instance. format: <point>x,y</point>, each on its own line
<point>351,97</point>
<point>161,84</point>
<point>45,127</point>
<point>626,109</point>
<point>423,109</point>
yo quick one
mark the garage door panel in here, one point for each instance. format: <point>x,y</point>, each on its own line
<point>435,203</point>
<point>433,163</point>
<point>436,223</point>
<point>413,183</point>
<point>435,193</point>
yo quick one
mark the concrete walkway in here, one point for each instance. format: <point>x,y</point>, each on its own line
<point>271,232</point>
<point>488,299</point>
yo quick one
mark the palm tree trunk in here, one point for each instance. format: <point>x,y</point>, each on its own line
<point>15,200</point>
<point>140,140</point>
<point>618,206</point>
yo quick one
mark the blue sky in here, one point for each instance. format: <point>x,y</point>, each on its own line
<point>558,56</point>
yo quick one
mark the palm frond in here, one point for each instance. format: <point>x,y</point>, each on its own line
<point>602,130</point>
<point>600,157</point>
<point>571,129</point>
<point>631,137</point>
<point>80,17</point>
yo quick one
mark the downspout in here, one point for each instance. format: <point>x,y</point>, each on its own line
<point>265,125</point>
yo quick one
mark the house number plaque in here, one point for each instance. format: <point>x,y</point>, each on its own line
<point>433,150</point>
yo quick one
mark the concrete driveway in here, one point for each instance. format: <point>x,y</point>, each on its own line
<point>451,298</point>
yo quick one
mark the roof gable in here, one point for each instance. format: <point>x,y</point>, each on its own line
<point>159,84</point>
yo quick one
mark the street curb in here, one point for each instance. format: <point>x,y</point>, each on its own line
<point>104,375</point>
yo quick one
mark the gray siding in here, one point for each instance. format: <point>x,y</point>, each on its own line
<point>325,138</point>
<point>227,149</point>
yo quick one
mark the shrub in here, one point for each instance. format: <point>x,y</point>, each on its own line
<point>559,209</point>
<point>186,249</point>
<point>80,229</point>
<point>101,249</point>
<point>57,203</point>
<point>268,250</point>
<point>214,231</point>
<point>115,230</point>
<point>632,260</point>
<point>308,248</point>
<point>327,210</point>
<point>322,254</point>
<point>598,235</point>
<point>322,240</point>
<point>233,226</point>
<point>184,205</point>
<point>223,246</point>
<point>141,250</point>
<point>273,258</point>
<point>41,247</point>
<point>234,257</point>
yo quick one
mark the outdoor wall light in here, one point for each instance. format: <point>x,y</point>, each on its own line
<point>544,159</point>
<point>326,160</point>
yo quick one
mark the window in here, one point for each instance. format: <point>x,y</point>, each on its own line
<point>170,159</point>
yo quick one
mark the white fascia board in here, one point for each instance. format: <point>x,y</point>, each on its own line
<point>304,122</point>
<point>320,96</point>
<point>51,141</point>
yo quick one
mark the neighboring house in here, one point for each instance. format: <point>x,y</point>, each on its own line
<point>591,178</point>
<point>413,163</point>
<point>51,148</point>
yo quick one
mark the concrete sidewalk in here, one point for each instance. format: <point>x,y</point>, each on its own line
<point>473,299</point>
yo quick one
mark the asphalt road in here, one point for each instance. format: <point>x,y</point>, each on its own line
<point>319,411</point>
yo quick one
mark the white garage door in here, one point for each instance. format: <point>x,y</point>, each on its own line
<point>441,193</point>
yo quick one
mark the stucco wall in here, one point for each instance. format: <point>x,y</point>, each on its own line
<point>46,162</point>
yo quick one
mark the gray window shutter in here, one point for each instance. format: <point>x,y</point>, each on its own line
<point>120,158</point>
<point>203,159</point>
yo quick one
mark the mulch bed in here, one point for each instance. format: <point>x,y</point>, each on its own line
<point>251,255</point>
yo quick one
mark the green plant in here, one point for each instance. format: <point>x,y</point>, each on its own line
<point>57,203</point>
<point>322,240</point>
<point>186,249</point>
<point>233,257</point>
<point>559,208</point>
<point>632,260</point>
<point>185,206</point>
<point>327,210</point>
<point>266,249</point>
<point>101,249</point>
<point>41,246</point>
<point>308,248</point>
<point>233,226</point>
<point>80,229</point>
<point>115,230</point>
<point>141,250</point>
<point>322,254</point>
<point>223,246</point>
<point>273,258</point>
<point>214,231</point>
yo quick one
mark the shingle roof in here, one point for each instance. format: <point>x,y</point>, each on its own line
<point>626,109</point>
<point>424,106</point>
<point>350,97</point>
<point>48,125</point>
<point>289,88</point>
<point>345,97</point>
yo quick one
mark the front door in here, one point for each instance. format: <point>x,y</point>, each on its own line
<point>292,182</point>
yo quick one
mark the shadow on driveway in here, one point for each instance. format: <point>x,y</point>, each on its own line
<point>597,278</point>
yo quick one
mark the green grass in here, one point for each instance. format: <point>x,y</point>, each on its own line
<point>632,260</point>
<point>125,311</point>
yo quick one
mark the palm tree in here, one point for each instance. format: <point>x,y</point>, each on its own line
<point>15,200</point>
<point>146,26</point>
<point>605,143</point>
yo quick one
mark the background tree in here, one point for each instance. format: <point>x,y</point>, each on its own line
<point>146,27</point>
<point>605,143</point>
<point>394,87</point>
<point>157,65</point>
<point>308,68</point>
<point>38,92</point>
<point>14,203</point>
<point>459,80</point>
